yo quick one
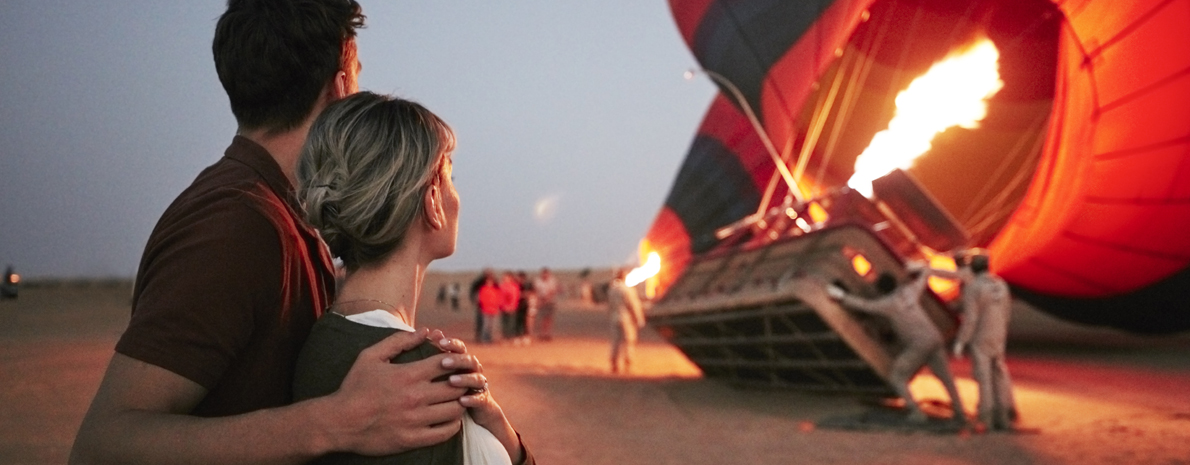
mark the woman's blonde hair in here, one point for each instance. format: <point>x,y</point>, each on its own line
<point>367,161</point>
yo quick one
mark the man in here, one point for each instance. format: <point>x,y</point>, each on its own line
<point>526,310</point>
<point>232,279</point>
<point>987,307</point>
<point>452,293</point>
<point>626,318</point>
<point>8,287</point>
<point>546,286</point>
<point>921,339</point>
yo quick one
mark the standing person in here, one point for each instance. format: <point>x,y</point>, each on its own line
<point>987,308</point>
<point>546,288</point>
<point>922,341</point>
<point>473,294</point>
<point>375,180</point>
<point>452,292</point>
<point>626,317</point>
<point>511,290</point>
<point>233,278</point>
<point>489,299</point>
<point>525,309</point>
<point>8,287</point>
<point>585,291</point>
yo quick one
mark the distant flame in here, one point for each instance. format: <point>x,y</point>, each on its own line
<point>817,213</point>
<point>954,92</point>
<point>639,274</point>
<point>861,265</point>
<point>947,289</point>
<point>16,278</point>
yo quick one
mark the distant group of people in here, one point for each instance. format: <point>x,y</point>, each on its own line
<point>520,308</point>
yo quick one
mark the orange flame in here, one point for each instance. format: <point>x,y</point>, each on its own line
<point>954,92</point>
<point>817,213</point>
<point>861,265</point>
<point>639,274</point>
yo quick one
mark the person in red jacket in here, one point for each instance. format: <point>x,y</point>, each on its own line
<point>489,299</point>
<point>511,290</point>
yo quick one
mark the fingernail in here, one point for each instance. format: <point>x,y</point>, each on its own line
<point>448,362</point>
<point>444,341</point>
<point>456,378</point>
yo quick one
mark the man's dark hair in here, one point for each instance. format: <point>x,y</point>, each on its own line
<point>979,264</point>
<point>274,57</point>
<point>886,284</point>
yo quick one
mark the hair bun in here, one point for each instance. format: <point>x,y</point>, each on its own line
<point>329,211</point>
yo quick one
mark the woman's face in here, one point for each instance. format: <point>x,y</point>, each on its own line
<point>450,204</point>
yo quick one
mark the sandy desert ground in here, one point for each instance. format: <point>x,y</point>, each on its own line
<point>1093,395</point>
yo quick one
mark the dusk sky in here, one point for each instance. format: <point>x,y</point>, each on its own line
<point>572,120</point>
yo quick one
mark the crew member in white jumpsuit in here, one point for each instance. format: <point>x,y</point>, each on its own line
<point>626,317</point>
<point>922,341</point>
<point>987,307</point>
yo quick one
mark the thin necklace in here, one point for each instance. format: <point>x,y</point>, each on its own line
<point>392,308</point>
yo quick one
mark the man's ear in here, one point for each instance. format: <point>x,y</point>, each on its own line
<point>339,86</point>
<point>435,214</point>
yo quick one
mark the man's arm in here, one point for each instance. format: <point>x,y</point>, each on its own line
<point>944,274</point>
<point>853,302</point>
<point>970,300</point>
<point>139,414</point>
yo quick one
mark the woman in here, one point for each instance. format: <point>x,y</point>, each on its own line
<point>375,179</point>
<point>489,298</point>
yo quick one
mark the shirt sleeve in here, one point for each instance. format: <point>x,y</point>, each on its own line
<point>204,278</point>
<point>919,283</point>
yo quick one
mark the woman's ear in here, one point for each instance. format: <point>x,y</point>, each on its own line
<point>435,214</point>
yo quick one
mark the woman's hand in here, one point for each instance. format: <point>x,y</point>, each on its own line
<point>486,411</point>
<point>478,400</point>
<point>446,344</point>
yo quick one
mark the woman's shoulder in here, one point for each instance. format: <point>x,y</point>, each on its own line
<point>331,349</point>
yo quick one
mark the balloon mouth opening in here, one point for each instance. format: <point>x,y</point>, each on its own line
<point>978,174</point>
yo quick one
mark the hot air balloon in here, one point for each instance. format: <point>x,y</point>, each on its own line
<point>1077,179</point>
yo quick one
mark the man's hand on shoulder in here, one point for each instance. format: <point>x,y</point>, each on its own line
<point>384,408</point>
<point>142,410</point>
